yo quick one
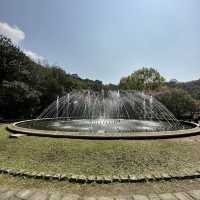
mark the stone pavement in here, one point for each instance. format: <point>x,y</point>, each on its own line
<point>31,194</point>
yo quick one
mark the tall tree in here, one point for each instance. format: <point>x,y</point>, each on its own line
<point>143,79</point>
<point>178,101</point>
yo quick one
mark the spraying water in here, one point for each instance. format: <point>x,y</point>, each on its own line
<point>109,111</point>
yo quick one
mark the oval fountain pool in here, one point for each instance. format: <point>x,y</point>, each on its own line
<point>110,114</point>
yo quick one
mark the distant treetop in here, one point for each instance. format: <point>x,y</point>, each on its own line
<point>145,79</point>
<point>173,80</point>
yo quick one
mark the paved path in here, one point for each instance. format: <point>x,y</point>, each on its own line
<point>27,194</point>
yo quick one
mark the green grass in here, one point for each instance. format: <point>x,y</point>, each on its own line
<point>92,157</point>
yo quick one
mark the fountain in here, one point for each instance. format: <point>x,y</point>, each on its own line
<point>113,111</point>
<point>106,113</point>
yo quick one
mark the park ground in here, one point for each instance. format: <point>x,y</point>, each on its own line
<point>98,158</point>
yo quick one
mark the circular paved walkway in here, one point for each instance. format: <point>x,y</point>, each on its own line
<point>28,194</point>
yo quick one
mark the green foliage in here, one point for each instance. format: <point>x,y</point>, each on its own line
<point>193,87</point>
<point>26,87</point>
<point>144,79</point>
<point>178,101</point>
<point>17,98</point>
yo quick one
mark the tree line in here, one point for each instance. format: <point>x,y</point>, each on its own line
<point>182,99</point>
<point>27,87</point>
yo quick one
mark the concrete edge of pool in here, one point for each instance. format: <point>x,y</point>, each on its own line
<point>195,130</point>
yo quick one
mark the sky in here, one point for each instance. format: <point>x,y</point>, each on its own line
<point>108,39</point>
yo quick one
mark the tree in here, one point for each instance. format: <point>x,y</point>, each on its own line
<point>18,99</point>
<point>178,101</point>
<point>27,87</point>
<point>111,86</point>
<point>145,79</point>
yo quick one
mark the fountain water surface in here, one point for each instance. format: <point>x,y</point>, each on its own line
<point>107,111</point>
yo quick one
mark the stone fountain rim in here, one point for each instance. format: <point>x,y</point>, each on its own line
<point>14,128</point>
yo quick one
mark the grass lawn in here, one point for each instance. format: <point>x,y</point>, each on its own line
<point>93,157</point>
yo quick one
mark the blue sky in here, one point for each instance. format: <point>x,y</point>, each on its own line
<point>108,39</point>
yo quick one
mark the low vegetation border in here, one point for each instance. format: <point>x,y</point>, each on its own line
<point>195,130</point>
<point>102,179</point>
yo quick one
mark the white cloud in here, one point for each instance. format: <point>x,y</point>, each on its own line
<point>34,56</point>
<point>14,33</point>
<point>17,35</point>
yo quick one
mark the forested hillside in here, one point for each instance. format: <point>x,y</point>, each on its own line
<point>27,87</point>
<point>182,99</point>
<point>193,87</point>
